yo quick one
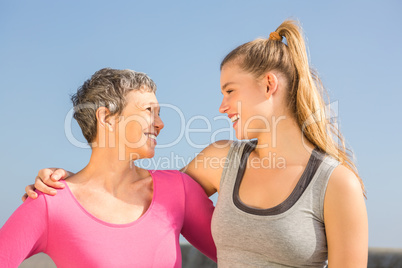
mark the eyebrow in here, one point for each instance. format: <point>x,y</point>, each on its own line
<point>156,106</point>
<point>226,85</point>
<point>152,104</point>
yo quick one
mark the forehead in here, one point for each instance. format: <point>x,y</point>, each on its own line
<point>233,74</point>
<point>141,97</point>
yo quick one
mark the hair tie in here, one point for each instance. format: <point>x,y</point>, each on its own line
<point>275,36</point>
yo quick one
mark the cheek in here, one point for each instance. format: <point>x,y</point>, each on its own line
<point>130,130</point>
<point>133,128</point>
<point>254,117</point>
<point>256,124</point>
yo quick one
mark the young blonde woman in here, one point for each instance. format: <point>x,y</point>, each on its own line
<point>290,197</point>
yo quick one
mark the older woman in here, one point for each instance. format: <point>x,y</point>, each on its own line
<point>112,213</point>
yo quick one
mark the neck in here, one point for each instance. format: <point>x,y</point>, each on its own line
<point>107,171</point>
<point>285,140</point>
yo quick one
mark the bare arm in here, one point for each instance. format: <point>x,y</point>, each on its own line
<point>47,182</point>
<point>206,168</point>
<point>346,221</point>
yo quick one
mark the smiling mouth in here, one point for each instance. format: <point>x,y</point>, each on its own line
<point>151,136</point>
<point>235,118</point>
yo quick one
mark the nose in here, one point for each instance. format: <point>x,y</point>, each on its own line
<point>224,106</point>
<point>158,123</point>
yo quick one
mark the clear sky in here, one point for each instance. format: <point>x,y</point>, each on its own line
<point>48,49</point>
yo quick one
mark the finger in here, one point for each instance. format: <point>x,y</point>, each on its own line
<point>46,173</point>
<point>59,174</point>
<point>24,197</point>
<point>45,176</point>
<point>30,192</point>
<point>48,188</point>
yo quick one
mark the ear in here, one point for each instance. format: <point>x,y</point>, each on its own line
<point>103,118</point>
<point>271,82</point>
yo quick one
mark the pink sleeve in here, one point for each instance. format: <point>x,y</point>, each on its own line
<point>197,218</point>
<point>25,232</point>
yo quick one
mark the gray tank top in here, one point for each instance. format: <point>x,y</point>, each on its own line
<point>291,234</point>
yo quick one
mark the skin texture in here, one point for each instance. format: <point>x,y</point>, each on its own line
<point>345,220</point>
<point>113,191</point>
<point>264,115</point>
<point>107,187</point>
<point>139,118</point>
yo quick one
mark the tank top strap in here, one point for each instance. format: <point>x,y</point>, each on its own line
<point>233,161</point>
<point>320,181</point>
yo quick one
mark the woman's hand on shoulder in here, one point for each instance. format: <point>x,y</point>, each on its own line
<point>206,168</point>
<point>346,221</point>
<point>47,182</point>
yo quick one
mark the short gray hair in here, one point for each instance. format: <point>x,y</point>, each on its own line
<point>106,88</point>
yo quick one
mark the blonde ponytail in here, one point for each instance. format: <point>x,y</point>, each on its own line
<point>305,98</point>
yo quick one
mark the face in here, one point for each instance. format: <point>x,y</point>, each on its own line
<point>244,101</point>
<point>139,125</point>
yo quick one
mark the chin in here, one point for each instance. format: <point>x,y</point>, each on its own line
<point>239,134</point>
<point>244,136</point>
<point>141,154</point>
<point>149,154</point>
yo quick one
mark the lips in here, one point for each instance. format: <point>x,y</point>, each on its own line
<point>234,117</point>
<point>151,136</point>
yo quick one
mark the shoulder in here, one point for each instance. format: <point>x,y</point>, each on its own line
<point>174,176</point>
<point>165,173</point>
<point>344,193</point>
<point>40,201</point>
<point>343,181</point>
<point>345,218</point>
<point>189,183</point>
<point>168,179</point>
<point>206,168</point>
<point>219,148</point>
<point>213,156</point>
<point>31,211</point>
<point>59,198</point>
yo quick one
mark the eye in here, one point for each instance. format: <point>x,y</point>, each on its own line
<point>229,91</point>
<point>149,109</point>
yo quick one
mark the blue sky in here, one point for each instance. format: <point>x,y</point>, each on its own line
<point>48,48</point>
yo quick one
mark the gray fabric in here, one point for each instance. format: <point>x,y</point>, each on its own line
<point>291,238</point>
<point>311,168</point>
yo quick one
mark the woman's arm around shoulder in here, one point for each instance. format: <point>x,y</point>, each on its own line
<point>25,232</point>
<point>47,182</point>
<point>345,218</point>
<point>206,168</point>
<point>198,209</point>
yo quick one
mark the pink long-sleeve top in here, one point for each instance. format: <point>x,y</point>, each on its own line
<point>60,227</point>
